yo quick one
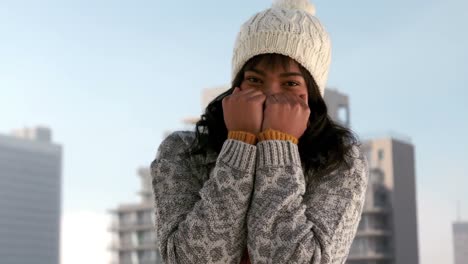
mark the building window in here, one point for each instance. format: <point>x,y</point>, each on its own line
<point>144,217</point>
<point>381,154</point>
<point>146,256</point>
<point>141,237</point>
<point>382,245</point>
<point>125,256</point>
<point>378,222</point>
<point>377,176</point>
<point>126,239</point>
<point>145,237</point>
<point>126,219</point>
<point>381,198</point>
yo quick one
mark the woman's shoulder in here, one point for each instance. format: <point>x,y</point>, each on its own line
<point>357,170</point>
<point>174,155</point>
<point>180,137</point>
<point>354,167</point>
<point>177,142</point>
<point>349,180</point>
<point>357,157</point>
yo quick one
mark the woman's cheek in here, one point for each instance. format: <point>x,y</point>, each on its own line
<point>301,94</point>
<point>245,86</point>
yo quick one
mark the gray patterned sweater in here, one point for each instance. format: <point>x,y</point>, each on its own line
<point>208,209</point>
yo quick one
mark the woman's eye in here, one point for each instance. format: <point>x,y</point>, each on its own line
<point>253,79</point>
<point>292,83</point>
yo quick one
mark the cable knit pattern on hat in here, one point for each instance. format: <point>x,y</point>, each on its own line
<point>289,28</point>
<point>209,208</point>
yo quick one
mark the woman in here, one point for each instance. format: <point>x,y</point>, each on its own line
<point>266,177</point>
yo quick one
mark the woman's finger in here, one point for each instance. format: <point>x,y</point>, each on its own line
<point>297,99</point>
<point>257,96</point>
<point>280,98</point>
<point>270,99</point>
<point>290,98</point>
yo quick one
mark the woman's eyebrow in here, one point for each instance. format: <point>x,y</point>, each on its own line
<point>284,74</point>
<point>257,71</point>
<point>288,74</point>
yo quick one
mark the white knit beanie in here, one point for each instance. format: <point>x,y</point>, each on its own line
<point>289,28</point>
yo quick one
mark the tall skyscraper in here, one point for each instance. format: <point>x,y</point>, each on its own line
<point>460,242</point>
<point>134,236</point>
<point>30,197</point>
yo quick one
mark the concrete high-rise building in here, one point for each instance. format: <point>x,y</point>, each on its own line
<point>460,242</point>
<point>133,234</point>
<point>387,233</point>
<point>30,197</point>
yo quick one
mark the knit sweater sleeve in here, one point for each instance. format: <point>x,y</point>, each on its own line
<point>202,221</point>
<point>290,222</point>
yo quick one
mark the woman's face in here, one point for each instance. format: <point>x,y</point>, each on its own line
<point>277,79</point>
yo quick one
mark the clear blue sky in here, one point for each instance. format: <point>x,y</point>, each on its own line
<point>109,77</point>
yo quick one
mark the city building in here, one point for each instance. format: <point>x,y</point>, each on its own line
<point>30,197</point>
<point>134,238</point>
<point>387,233</point>
<point>460,242</point>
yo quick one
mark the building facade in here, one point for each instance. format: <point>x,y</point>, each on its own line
<point>30,197</point>
<point>387,233</point>
<point>460,242</point>
<point>134,238</point>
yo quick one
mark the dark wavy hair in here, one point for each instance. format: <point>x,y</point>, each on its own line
<point>324,145</point>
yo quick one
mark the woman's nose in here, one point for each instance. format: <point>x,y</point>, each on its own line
<point>270,89</point>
